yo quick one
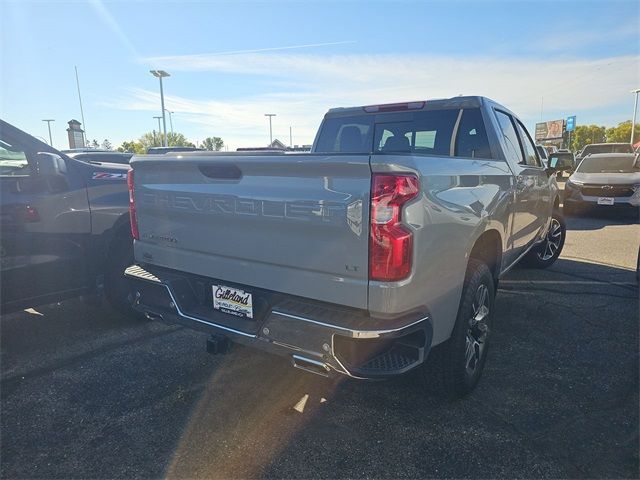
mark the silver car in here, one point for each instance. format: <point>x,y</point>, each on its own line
<point>606,180</point>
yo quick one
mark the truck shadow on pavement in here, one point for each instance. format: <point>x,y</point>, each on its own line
<point>92,394</point>
<point>558,399</point>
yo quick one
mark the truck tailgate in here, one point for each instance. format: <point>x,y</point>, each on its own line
<point>296,224</point>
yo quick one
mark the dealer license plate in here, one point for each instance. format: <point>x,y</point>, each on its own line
<point>232,301</point>
<point>605,201</point>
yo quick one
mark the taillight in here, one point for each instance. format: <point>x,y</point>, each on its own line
<point>391,243</point>
<point>132,207</point>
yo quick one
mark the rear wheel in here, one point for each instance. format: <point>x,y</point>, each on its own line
<point>455,366</point>
<point>547,252</point>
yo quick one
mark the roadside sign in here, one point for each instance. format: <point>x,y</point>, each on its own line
<point>571,124</point>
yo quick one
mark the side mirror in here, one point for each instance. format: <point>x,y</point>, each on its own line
<point>50,164</point>
<point>552,167</point>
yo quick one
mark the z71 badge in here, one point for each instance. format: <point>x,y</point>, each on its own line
<point>108,176</point>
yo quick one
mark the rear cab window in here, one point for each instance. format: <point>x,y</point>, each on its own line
<point>442,132</point>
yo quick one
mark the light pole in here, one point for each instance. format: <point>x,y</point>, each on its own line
<point>49,120</point>
<point>270,130</point>
<point>635,109</point>
<point>171,120</point>
<point>161,74</point>
<point>159,130</point>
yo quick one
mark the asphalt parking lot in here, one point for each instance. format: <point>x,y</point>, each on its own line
<point>89,394</point>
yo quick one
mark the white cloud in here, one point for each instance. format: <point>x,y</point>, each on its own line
<point>570,38</point>
<point>307,85</point>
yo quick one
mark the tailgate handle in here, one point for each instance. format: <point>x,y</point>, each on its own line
<point>221,171</point>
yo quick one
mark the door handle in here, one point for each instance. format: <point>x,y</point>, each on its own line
<point>221,171</point>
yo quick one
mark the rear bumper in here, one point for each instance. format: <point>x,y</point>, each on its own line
<point>318,337</point>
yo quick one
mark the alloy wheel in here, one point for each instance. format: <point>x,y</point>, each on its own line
<point>552,241</point>
<point>478,330</point>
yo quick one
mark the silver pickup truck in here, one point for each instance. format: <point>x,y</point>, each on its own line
<point>383,245</point>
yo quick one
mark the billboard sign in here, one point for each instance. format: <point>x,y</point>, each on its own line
<point>549,130</point>
<point>571,124</point>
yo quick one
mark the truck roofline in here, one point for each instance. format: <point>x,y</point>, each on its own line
<point>474,101</point>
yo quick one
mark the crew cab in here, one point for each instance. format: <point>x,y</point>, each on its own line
<point>64,225</point>
<point>380,248</point>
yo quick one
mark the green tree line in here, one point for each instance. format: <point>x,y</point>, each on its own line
<point>586,134</point>
<point>154,139</point>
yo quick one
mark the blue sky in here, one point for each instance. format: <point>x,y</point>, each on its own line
<point>297,59</point>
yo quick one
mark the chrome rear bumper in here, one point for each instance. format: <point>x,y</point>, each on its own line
<point>317,337</point>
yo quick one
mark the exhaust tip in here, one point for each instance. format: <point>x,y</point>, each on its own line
<point>311,366</point>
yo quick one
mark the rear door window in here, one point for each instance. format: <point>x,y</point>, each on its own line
<point>510,138</point>
<point>530,153</point>
<point>471,140</point>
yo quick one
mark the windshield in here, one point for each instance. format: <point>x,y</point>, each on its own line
<point>608,165</point>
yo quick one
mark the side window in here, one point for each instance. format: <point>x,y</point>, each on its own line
<point>530,153</point>
<point>471,139</point>
<point>510,137</point>
<point>13,161</point>
<point>346,135</point>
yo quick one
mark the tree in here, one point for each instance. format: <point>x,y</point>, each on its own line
<point>622,133</point>
<point>155,139</point>
<point>94,144</point>
<point>586,134</point>
<point>213,143</point>
<point>106,145</point>
<point>132,147</point>
<point>178,140</point>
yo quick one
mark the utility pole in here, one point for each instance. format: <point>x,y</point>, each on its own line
<point>161,74</point>
<point>270,115</point>
<point>635,110</point>
<point>49,120</point>
<point>290,137</point>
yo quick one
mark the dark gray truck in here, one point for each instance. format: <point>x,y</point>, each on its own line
<point>382,246</point>
<point>64,225</point>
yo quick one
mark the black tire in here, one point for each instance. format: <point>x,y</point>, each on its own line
<point>452,370</point>
<point>546,253</point>
<point>116,286</point>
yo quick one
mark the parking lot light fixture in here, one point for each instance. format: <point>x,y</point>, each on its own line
<point>270,115</point>
<point>49,120</point>
<point>170,120</point>
<point>635,110</point>
<point>161,74</point>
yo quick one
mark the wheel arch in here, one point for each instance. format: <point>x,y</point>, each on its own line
<point>488,249</point>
